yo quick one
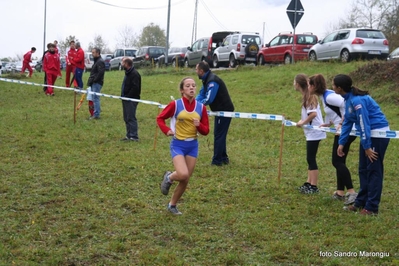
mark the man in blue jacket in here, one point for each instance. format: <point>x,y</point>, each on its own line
<point>215,94</point>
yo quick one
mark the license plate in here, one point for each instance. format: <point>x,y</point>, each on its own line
<point>251,59</point>
<point>306,50</point>
<point>374,52</point>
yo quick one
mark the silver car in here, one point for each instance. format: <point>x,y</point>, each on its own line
<point>237,48</point>
<point>116,61</point>
<point>348,44</point>
<point>394,54</point>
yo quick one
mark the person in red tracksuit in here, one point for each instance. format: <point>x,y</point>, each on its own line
<point>51,65</point>
<point>79,62</point>
<point>57,51</point>
<point>27,60</point>
<point>70,68</point>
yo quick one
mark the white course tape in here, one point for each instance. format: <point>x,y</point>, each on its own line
<point>374,133</point>
<point>390,134</point>
<point>80,91</point>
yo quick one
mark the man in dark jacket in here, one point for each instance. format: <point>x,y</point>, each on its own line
<point>131,88</point>
<point>215,94</point>
<point>96,81</point>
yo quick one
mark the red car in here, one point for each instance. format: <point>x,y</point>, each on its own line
<point>281,48</point>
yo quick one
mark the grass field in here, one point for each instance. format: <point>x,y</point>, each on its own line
<point>73,194</point>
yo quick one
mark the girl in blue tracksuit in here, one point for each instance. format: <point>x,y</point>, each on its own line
<point>365,113</point>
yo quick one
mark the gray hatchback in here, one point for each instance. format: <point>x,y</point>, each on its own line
<point>348,44</point>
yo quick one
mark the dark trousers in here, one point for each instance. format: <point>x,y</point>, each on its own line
<point>220,134</point>
<point>78,77</point>
<point>129,116</point>
<point>45,81</point>
<point>344,178</point>
<point>311,151</point>
<point>371,175</point>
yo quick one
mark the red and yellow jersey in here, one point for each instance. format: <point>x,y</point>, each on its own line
<point>182,113</point>
<point>182,122</point>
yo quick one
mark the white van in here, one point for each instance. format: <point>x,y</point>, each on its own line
<point>89,61</point>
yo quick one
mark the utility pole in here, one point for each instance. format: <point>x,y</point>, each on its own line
<point>167,35</point>
<point>194,34</point>
<point>44,37</point>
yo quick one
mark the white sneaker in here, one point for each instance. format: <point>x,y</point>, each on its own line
<point>351,198</point>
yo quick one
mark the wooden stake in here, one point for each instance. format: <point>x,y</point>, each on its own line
<point>281,150</point>
<point>156,131</point>
<point>74,107</point>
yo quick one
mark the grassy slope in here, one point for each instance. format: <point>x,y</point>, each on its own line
<point>73,194</point>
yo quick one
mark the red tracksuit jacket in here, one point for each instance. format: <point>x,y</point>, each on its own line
<point>70,56</point>
<point>79,60</point>
<point>51,63</point>
<point>27,57</point>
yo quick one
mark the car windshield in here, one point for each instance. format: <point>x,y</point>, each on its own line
<point>370,34</point>
<point>306,39</point>
<point>156,50</point>
<point>247,39</point>
<point>130,52</point>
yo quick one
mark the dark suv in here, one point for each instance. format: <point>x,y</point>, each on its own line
<point>202,49</point>
<point>147,55</point>
<point>281,48</point>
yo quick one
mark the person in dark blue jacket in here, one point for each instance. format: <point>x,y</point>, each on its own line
<point>364,112</point>
<point>215,94</point>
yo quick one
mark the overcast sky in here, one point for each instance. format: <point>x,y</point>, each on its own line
<point>22,21</point>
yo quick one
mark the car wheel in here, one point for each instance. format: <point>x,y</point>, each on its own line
<point>232,61</point>
<point>261,60</point>
<point>345,56</point>
<point>287,59</point>
<point>312,56</point>
<point>186,63</point>
<point>120,67</point>
<point>174,63</point>
<point>215,61</point>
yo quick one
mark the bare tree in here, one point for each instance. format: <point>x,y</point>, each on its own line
<point>99,43</point>
<point>126,38</point>
<point>64,45</point>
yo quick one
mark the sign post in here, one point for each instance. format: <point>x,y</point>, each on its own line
<point>295,12</point>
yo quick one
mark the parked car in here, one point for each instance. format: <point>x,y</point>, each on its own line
<point>284,46</point>
<point>237,47</point>
<point>175,54</point>
<point>107,58</point>
<point>394,54</point>
<point>89,61</point>
<point>352,43</point>
<point>148,55</point>
<point>203,48</point>
<point>115,62</point>
<point>9,67</point>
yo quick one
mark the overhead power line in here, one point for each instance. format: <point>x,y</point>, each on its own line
<point>136,8</point>
<point>213,16</point>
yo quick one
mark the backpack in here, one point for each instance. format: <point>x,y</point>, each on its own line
<point>332,107</point>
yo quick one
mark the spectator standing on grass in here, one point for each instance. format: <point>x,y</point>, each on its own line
<point>79,62</point>
<point>188,118</point>
<point>131,88</point>
<point>70,68</point>
<point>215,94</point>
<point>28,59</point>
<point>51,65</point>
<point>45,75</point>
<point>366,114</point>
<point>57,51</point>
<point>95,82</point>
<point>310,115</point>
<point>334,108</point>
